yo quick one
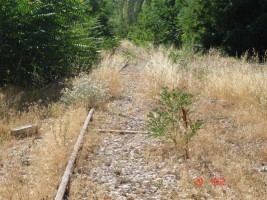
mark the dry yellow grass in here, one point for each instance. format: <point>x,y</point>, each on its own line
<point>32,167</point>
<point>232,101</point>
<point>81,183</point>
<point>160,72</point>
<point>39,177</point>
<point>130,48</point>
<point>108,72</point>
<point>233,79</point>
<point>212,75</point>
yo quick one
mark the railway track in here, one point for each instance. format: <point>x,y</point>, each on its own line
<point>61,193</point>
<point>122,163</point>
<point>63,188</point>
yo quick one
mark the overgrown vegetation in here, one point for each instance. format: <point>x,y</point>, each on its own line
<point>45,41</point>
<point>233,26</point>
<point>59,121</point>
<point>85,90</point>
<point>172,118</point>
<point>50,45</point>
<point>231,101</point>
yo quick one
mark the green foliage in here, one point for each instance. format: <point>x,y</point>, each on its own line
<point>234,26</point>
<point>203,22</point>
<point>246,27</point>
<point>44,41</point>
<point>158,23</point>
<point>123,15</point>
<point>172,118</point>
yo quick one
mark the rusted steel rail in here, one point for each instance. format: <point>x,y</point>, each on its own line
<point>66,177</point>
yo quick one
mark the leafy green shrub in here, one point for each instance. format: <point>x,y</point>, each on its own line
<point>172,118</point>
<point>40,40</point>
<point>85,90</point>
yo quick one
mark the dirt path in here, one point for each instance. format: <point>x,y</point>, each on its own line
<point>120,168</point>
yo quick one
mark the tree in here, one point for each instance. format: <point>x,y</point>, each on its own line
<point>247,27</point>
<point>41,40</point>
<point>235,26</point>
<point>124,15</point>
<point>158,22</point>
<point>204,23</point>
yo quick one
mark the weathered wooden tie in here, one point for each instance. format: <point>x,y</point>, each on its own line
<point>24,131</point>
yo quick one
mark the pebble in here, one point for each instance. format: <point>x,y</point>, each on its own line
<point>125,154</point>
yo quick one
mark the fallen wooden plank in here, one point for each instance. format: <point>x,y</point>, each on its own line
<point>66,177</point>
<point>24,131</point>
<point>120,131</point>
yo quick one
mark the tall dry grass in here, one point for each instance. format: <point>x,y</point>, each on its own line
<point>211,75</point>
<point>233,79</point>
<point>33,167</point>
<point>108,72</point>
<point>231,98</point>
<point>133,51</point>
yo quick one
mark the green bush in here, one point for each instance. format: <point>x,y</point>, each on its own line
<point>172,118</point>
<point>158,23</point>
<point>85,90</point>
<point>41,40</point>
<point>233,26</point>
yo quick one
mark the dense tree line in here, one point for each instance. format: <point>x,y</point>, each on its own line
<point>43,41</point>
<point>123,15</point>
<point>234,26</point>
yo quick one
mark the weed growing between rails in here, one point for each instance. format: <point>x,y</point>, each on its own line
<point>172,118</point>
